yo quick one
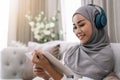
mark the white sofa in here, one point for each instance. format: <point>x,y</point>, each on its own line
<point>14,64</point>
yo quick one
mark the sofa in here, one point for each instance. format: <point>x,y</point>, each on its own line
<point>16,65</point>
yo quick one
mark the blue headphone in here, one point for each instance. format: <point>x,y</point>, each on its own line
<point>100,17</point>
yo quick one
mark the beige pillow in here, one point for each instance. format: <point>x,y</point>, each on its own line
<point>52,47</point>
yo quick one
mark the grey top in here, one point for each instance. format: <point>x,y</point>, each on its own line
<point>94,59</point>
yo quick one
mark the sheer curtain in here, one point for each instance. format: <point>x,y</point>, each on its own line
<point>111,8</point>
<point>68,7</point>
<point>19,29</point>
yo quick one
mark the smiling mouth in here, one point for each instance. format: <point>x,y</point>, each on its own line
<point>81,36</point>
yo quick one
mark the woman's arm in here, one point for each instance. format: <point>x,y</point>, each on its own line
<point>40,60</point>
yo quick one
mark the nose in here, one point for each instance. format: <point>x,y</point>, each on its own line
<point>78,31</point>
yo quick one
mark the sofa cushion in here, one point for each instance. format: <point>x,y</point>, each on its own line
<point>116,51</point>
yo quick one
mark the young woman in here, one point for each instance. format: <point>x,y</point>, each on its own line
<point>93,58</point>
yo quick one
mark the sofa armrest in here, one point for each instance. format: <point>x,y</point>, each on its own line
<point>13,62</point>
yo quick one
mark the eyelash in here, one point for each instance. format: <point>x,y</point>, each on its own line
<point>74,28</point>
<point>81,25</point>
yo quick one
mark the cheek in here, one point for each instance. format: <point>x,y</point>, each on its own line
<point>89,36</point>
<point>89,32</point>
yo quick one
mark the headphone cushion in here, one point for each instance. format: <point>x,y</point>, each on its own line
<point>100,20</point>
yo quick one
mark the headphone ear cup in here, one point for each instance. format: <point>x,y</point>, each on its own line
<point>100,20</point>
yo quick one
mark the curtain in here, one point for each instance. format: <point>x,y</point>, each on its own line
<point>54,7</point>
<point>19,30</point>
<point>86,2</point>
<point>68,8</point>
<point>111,8</point>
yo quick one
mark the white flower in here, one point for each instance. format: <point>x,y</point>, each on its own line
<point>46,32</point>
<point>36,31</point>
<point>47,25</point>
<point>51,24</point>
<point>31,23</point>
<point>53,18</point>
<point>38,25</point>
<point>42,26</point>
<point>52,35</point>
<point>28,17</point>
<point>38,18</point>
<point>37,37</point>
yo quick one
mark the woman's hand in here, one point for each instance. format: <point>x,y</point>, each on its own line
<point>44,64</point>
<point>39,59</point>
<point>38,71</point>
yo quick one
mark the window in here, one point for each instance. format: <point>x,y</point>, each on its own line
<point>68,7</point>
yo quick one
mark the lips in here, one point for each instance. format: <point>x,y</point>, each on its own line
<point>81,36</point>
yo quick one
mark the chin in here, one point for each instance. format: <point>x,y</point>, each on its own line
<point>83,42</point>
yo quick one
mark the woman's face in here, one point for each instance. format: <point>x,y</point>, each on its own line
<point>82,28</point>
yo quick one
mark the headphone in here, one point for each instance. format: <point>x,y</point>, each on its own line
<point>100,17</point>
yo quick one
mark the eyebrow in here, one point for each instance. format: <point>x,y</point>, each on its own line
<point>80,21</point>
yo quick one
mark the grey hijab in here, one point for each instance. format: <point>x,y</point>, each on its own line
<point>94,59</point>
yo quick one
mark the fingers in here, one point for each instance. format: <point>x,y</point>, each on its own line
<point>38,54</point>
<point>37,68</point>
<point>34,58</point>
<point>38,57</point>
<point>39,71</point>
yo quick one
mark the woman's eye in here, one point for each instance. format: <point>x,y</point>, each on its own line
<point>74,27</point>
<point>81,25</point>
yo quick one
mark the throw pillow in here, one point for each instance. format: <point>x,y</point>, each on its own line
<point>52,48</point>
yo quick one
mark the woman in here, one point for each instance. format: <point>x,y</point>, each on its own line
<point>94,57</point>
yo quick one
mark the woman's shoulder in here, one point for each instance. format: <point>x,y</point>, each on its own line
<point>107,50</point>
